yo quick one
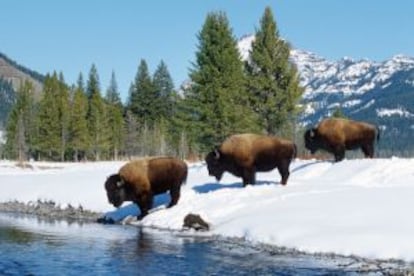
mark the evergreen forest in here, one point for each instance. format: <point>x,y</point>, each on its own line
<point>224,96</point>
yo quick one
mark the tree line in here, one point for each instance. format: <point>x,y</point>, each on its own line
<point>225,95</point>
<point>6,97</point>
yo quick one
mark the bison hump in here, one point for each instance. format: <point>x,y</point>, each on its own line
<point>135,172</point>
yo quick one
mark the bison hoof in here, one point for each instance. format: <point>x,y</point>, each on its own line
<point>105,220</point>
<point>140,217</point>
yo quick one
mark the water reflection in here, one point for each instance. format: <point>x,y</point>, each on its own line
<point>32,246</point>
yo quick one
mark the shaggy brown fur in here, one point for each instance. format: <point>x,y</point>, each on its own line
<point>338,135</point>
<point>245,154</point>
<point>139,180</point>
<point>196,222</point>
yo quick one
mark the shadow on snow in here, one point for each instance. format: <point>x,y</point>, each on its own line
<point>131,209</point>
<point>301,167</point>
<point>212,187</point>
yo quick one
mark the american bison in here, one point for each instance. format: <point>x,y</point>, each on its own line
<point>245,154</point>
<point>138,181</point>
<point>337,135</point>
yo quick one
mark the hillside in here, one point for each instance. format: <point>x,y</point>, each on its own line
<point>377,92</point>
<point>11,76</point>
<point>16,73</point>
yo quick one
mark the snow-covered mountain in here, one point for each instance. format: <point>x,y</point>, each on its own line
<point>346,75</point>
<point>349,76</point>
<point>354,85</point>
<point>378,92</point>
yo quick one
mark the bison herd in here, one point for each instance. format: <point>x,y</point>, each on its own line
<point>241,155</point>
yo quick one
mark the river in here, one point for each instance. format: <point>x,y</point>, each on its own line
<point>33,246</point>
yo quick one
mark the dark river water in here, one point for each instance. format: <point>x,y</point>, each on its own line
<point>31,246</point>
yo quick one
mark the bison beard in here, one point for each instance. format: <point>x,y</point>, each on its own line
<point>139,181</point>
<point>244,154</point>
<point>337,135</point>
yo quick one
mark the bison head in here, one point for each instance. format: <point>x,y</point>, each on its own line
<point>115,190</point>
<point>311,140</point>
<point>214,164</point>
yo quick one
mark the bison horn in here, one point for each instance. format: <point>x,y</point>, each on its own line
<point>216,153</point>
<point>120,183</point>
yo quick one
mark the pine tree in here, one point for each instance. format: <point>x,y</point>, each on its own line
<point>7,98</point>
<point>131,135</point>
<point>115,119</point>
<point>338,113</point>
<point>64,115</point>
<point>49,134</point>
<point>78,130</point>
<point>218,85</point>
<point>53,118</point>
<point>272,79</point>
<point>21,139</point>
<point>185,124</point>
<point>20,123</point>
<point>168,102</point>
<point>142,97</point>
<point>80,83</point>
<point>164,90</point>
<point>97,116</point>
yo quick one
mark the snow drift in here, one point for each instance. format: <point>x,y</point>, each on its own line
<point>359,207</point>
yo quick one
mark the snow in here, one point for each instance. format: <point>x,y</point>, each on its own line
<point>367,105</point>
<point>360,206</point>
<point>351,103</point>
<point>386,112</point>
<point>244,45</point>
<point>334,105</point>
<point>309,109</point>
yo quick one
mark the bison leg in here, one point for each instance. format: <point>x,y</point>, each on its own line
<point>249,177</point>
<point>368,150</point>
<point>144,203</point>
<point>284,171</point>
<point>175,195</point>
<point>339,154</point>
<point>143,209</point>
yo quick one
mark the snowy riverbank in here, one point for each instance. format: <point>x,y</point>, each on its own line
<point>355,207</point>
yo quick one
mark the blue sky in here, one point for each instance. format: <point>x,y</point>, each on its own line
<point>70,35</point>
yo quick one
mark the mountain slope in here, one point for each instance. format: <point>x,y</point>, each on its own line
<point>16,74</point>
<point>377,92</point>
<point>11,76</point>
